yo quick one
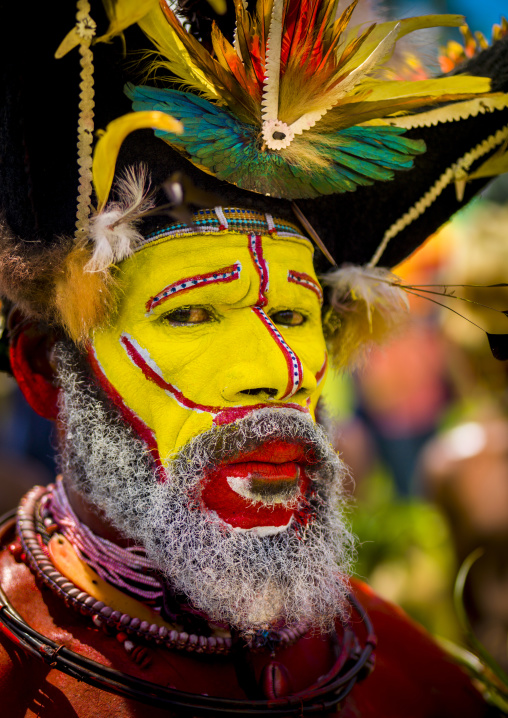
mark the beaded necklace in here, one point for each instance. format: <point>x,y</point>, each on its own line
<point>32,522</point>
<point>353,663</point>
<point>127,568</point>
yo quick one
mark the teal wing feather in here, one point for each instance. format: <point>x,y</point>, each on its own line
<point>214,138</point>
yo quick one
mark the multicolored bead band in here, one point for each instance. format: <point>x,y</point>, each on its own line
<point>129,628</point>
<point>227,219</point>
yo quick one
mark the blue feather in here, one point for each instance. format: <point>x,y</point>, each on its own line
<point>217,140</point>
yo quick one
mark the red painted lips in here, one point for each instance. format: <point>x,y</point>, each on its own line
<point>259,488</point>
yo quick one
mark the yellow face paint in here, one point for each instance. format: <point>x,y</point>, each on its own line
<point>209,325</point>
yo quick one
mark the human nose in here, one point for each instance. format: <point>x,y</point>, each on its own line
<point>267,368</point>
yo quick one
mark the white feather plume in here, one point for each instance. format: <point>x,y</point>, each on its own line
<point>114,231</point>
<point>367,304</point>
<point>377,287</point>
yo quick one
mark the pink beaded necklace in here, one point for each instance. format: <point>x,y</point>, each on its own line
<point>126,568</point>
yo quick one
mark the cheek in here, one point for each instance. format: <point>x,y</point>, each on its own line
<point>191,361</point>
<point>155,415</point>
<point>172,436</point>
<point>310,348</point>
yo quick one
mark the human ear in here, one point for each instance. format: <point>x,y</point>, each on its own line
<point>30,353</point>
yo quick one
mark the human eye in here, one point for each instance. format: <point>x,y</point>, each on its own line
<point>288,318</point>
<point>188,315</point>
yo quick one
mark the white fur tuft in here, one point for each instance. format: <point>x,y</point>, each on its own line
<point>376,287</point>
<point>368,304</point>
<point>113,231</point>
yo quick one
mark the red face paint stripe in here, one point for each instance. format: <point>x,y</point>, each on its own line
<point>135,422</point>
<point>152,372</point>
<point>256,252</point>
<point>223,276</point>
<point>295,371</point>
<point>322,371</point>
<point>221,415</point>
<point>228,416</point>
<point>305,280</point>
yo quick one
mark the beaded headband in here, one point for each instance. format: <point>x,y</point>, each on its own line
<point>115,232</point>
<point>223,220</point>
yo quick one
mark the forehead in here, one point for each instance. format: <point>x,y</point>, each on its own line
<point>161,265</point>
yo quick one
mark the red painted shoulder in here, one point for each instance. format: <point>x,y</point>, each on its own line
<point>413,676</point>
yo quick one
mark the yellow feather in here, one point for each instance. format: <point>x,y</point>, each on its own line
<point>355,110</point>
<point>177,58</point>
<point>403,27</point>
<point>346,85</point>
<point>380,90</point>
<point>229,60</point>
<point>222,84</point>
<point>77,316</point>
<point>261,20</point>
<point>243,32</point>
<point>305,100</point>
<point>110,141</point>
<point>342,22</point>
<point>123,13</point>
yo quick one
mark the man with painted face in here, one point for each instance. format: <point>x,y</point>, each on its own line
<point>193,557</point>
<point>211,556</point>
<point>216,362</point>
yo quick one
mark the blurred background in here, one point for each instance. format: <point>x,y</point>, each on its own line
<point>424,428</point>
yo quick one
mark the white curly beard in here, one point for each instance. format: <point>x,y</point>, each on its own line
<point>248,581</point>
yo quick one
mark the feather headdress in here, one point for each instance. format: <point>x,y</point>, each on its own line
<point>295,107</point>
